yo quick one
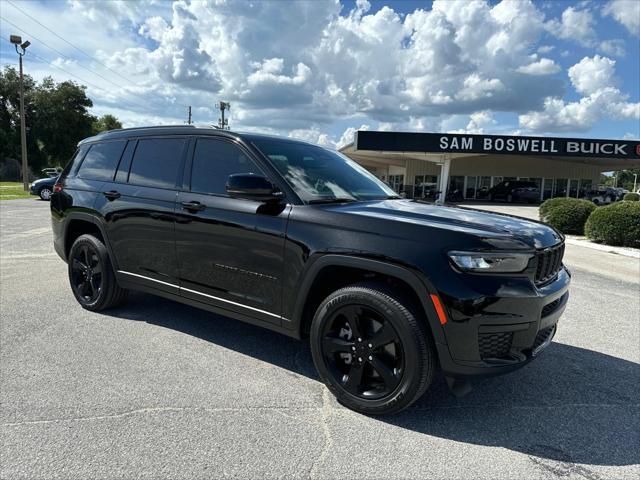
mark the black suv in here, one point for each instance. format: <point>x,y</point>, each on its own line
<point>515,191</point>
<point>301,240</point>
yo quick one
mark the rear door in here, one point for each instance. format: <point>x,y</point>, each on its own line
<point>138,207</point>
<point>230,251</point>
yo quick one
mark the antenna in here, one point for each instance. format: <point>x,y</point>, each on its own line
<point>223,123</point>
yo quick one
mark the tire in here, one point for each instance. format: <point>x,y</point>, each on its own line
<point>45,193</point>
<point>91,275</point>
<point>393,364</point>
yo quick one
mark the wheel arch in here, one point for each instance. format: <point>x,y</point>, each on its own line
<point>349,269</point>
<point>80,223</point>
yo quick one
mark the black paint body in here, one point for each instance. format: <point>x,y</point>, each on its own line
<point>261,263</point>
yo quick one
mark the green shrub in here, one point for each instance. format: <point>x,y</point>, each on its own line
<point>615,224</point>
<point>632,197</point>
<point>567,215</point>
<point>547,205</point>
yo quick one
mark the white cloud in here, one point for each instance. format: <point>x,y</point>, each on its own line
<point>544,66</point>
<point>594,78</point>
<point>592,74</point>
<point>614,47</point>
<point>626,12</point>
<point>577,25</point>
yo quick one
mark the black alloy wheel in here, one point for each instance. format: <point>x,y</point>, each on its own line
<point>369,348</point>
<point>91,275</point>
<point>363,351</point>
<point>86,273</point>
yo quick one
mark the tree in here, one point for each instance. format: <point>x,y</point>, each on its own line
<point>57,117</point>
<point>106,122</point>
<point>61,118</point>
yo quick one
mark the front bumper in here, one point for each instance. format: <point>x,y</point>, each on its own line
<point>33,189</point>
<point>505,331</point>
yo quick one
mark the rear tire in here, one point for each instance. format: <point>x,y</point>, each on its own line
<point>370,350</point>
<point>45,194</point>
<point>91,275</point>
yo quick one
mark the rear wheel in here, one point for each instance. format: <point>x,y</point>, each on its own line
<point>91,275</point>
<point>45,193</point>
<point>370,350</point>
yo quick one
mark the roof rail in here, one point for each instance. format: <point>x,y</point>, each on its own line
<point>146,128</point>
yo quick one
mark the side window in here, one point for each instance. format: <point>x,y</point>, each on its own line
<point>101,161</point>
<point>156,162</point>
<point>73,163</point>
<point>213,162</point>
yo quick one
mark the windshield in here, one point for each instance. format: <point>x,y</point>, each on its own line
<point>318,174</point>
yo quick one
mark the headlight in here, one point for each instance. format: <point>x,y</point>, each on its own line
<point>491,262</point>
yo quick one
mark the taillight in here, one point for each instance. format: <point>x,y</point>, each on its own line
<point>57,187</point>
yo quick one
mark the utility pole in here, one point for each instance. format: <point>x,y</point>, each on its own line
<point>17,41</point>
<point>189,121</point>
<point>223,124</point>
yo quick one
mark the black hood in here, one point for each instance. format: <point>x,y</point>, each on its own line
<point>471,221</point>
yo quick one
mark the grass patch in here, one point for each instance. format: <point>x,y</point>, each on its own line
<point>12,190</point>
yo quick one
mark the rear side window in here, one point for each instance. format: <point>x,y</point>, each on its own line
<point>101,161</point>
<point>213,162</point>
<point>77,157</point>
<point>156,162</point>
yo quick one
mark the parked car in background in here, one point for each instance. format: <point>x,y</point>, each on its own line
<point>605,196</point>
<point>43,188</point>
<point>515,191</point>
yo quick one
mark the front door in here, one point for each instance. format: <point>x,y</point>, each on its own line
<point>230,251</point>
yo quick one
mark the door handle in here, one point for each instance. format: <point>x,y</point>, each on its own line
<point>196,206</point>
<point>111,195</point>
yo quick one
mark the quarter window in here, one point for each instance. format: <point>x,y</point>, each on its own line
<point>101,161</point>
<point>213,162</point>
<point>156,162</point>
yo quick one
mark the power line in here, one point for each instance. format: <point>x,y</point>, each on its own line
<point>65,40</point>
<point>82,79</point>
<point>61,54</point>
<point>75,47</point>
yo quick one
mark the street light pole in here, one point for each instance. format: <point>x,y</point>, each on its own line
<point>17,41</point>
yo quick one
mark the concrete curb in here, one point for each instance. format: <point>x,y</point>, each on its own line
<point>583,242</point>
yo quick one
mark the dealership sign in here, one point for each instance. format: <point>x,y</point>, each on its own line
<point>495,144</point>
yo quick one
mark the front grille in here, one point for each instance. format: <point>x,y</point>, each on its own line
<point>542,336</point>
<point>494,345</point>
<point>549,263</point>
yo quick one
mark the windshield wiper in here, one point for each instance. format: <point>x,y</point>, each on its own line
<point>331,200</point>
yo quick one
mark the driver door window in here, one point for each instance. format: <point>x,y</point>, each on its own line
<point>213,162</point>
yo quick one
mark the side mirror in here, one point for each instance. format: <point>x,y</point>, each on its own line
<point>252,187</point>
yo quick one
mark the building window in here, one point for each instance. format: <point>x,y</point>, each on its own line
<point>396,182</point>
<point>560,189</point>
<point>484,184</point>
<point>585,187</point>
<point>547,190</point>
<point>425,186</point>
<point>470,188</point>
<point>573,187</point>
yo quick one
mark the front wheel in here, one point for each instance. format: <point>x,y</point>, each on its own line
<point>370,350</point>
<point>91,275</point>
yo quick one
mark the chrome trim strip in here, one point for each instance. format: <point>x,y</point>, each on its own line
<point>229,301</point>
<point>204,294</point>
<point>149,278</point>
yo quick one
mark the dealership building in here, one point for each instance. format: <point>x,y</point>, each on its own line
<point>421,164</point>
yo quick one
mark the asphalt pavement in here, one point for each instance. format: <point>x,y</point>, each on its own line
<point>155,389</point>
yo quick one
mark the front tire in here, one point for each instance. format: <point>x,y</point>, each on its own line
<point>91,275</point>
<point>370,350</point>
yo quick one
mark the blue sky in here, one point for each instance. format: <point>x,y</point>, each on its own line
<point>319,70</point>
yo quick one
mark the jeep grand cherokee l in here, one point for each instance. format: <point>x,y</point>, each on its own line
<point>301,240</point>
